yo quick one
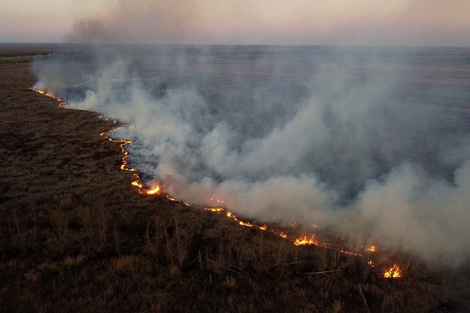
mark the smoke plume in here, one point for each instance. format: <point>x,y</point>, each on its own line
<point>346,22</point>
<point>363,140</point>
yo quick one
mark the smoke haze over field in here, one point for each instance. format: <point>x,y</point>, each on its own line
<point>345,22</point>
<point>274,22</point>
<point>363,140</point>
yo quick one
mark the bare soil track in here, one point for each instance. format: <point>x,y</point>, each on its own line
<point>75,237</point>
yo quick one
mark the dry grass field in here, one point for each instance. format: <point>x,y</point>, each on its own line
<point>76,237</point>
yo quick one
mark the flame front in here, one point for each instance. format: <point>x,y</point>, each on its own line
<point>303,241</point>
<point>393,272</point>
<point>47,94</point>
<point>232,216</point>
<point>137,182</point>
<point>152,191</point>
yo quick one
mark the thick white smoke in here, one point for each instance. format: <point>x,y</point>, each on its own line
<point>360,141</point>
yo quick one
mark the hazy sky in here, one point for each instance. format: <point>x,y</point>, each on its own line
<point>363,22</point>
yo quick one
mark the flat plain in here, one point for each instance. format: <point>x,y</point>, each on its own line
<point>76,237</point>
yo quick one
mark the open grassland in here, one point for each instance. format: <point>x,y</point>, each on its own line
<point>75,237</point>
<point>17,59</point>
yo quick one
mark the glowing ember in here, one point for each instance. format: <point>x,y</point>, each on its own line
<point>216,200</point>
<point>372,248</point>
<point>393,272</point>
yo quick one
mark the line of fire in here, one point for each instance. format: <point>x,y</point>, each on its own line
<point>392,272</point>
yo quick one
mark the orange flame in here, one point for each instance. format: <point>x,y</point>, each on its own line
<point>152,191</point>
<point>304,241</point>
<point>137,183</point>
<point>393,272</point>
<point>122,145</point>
<point>232,216</point>
<point>215,210</point>
<point>372,248</point>
<point>50,95</point>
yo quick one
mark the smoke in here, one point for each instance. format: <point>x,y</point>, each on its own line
<point>365,141</point>
<point>126,22</point>
<point>430,215</point>
<point>347,22</point>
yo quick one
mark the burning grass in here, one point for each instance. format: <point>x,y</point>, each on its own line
<point>75,236</point>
